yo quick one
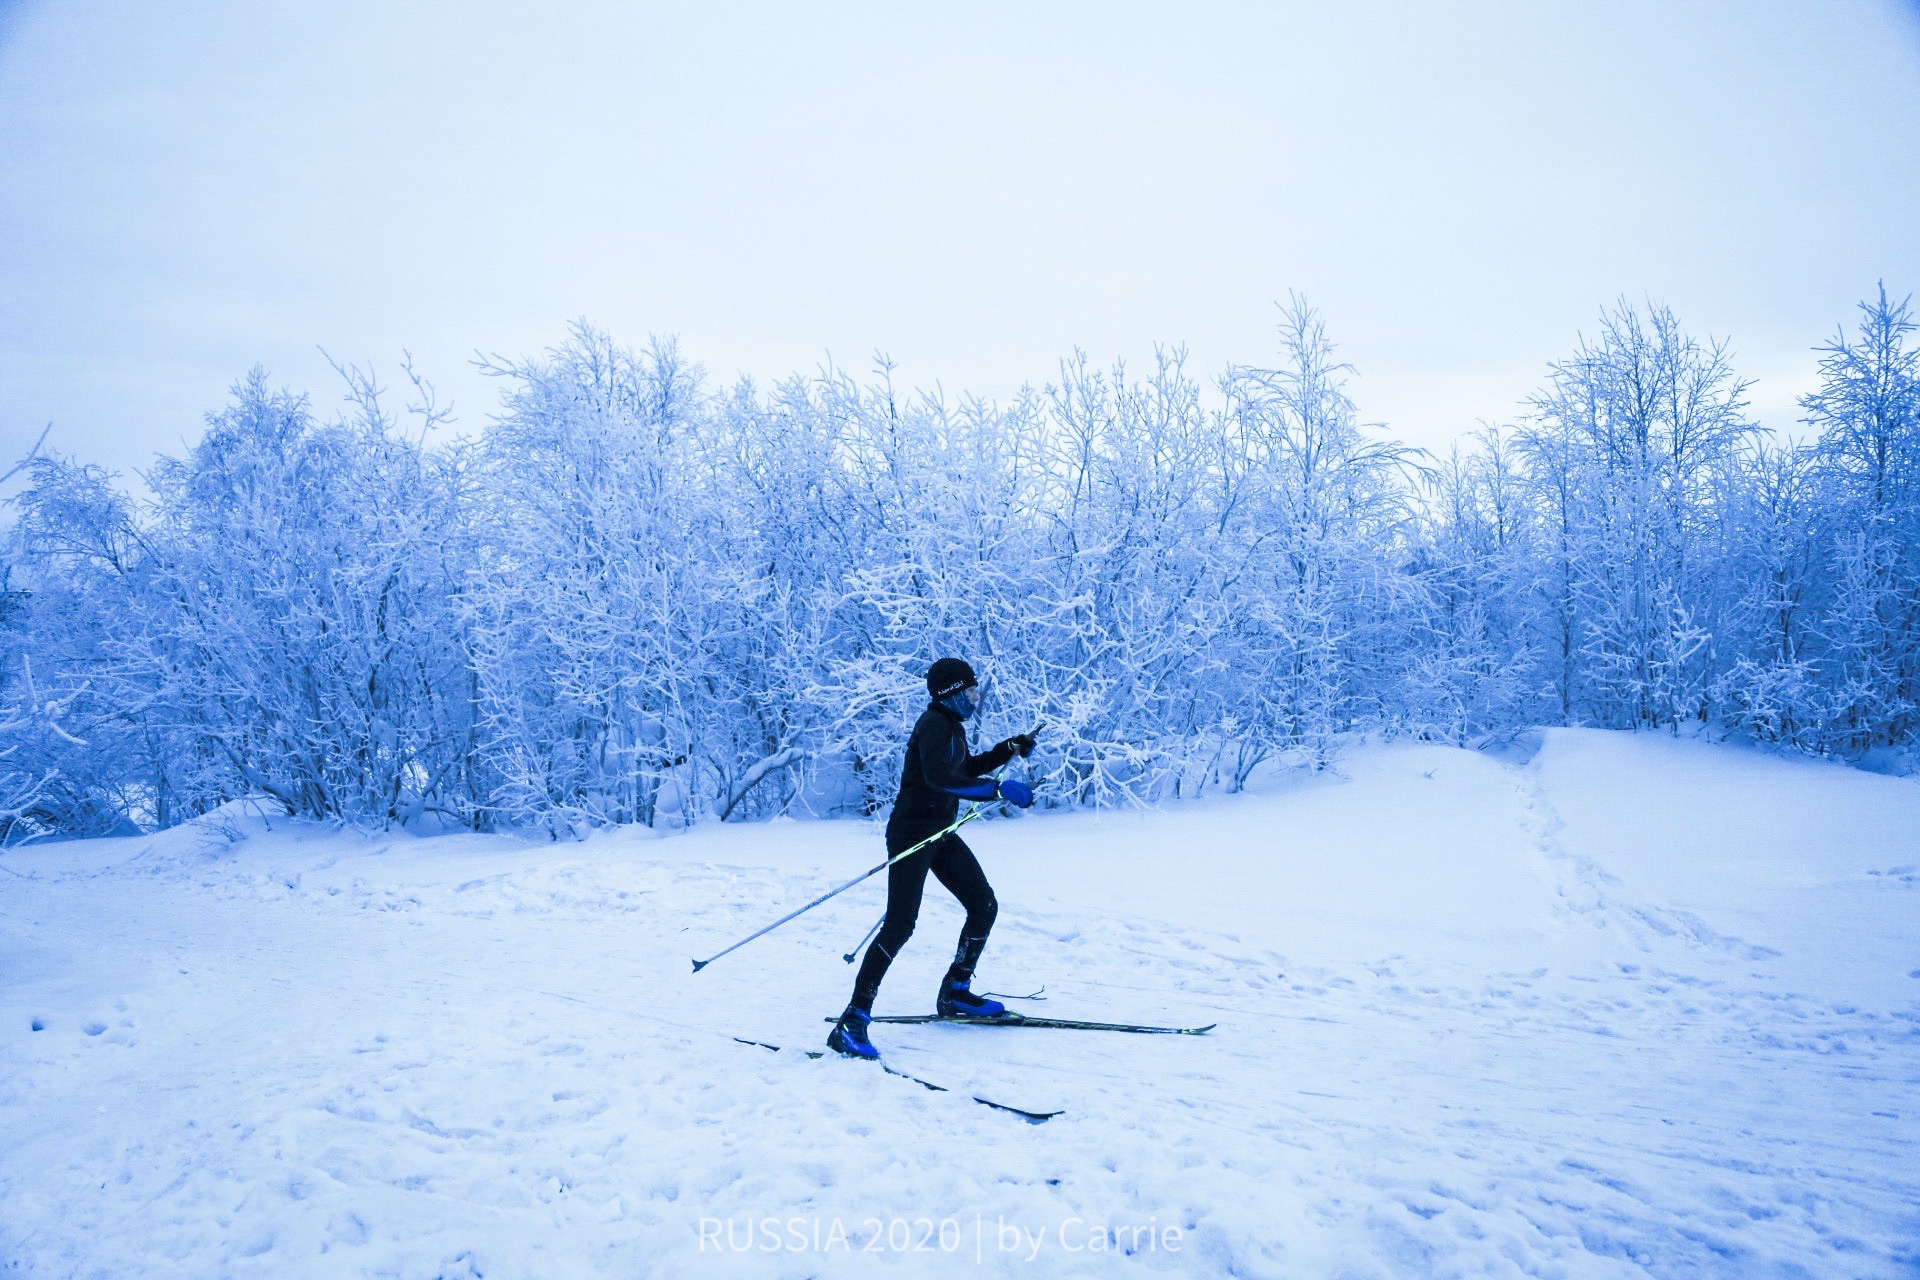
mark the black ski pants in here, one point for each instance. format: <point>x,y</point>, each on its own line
<point>954,865</point>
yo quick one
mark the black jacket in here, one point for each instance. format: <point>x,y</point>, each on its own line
<point>938,773</point>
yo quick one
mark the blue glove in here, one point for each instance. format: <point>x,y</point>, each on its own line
<point>1014,791</point>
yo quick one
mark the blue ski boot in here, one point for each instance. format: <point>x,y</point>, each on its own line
<point>849,1035</point>
<point>958,1002</point>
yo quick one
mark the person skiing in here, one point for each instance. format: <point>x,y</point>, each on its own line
<point>937,774</point>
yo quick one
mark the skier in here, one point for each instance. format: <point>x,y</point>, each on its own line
<point>937,774</point>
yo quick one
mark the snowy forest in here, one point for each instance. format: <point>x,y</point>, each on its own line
<point>639,596</point>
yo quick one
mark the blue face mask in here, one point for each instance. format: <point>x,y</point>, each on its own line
<point>961,703</point>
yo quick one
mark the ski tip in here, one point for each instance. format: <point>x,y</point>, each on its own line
<point>762,1044</point>
<point>1031,1117</point>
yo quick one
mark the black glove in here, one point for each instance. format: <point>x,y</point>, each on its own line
<point>1020,744</point>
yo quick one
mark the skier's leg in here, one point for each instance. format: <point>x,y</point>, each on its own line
<point>906,879</point>
<point>960,872</point>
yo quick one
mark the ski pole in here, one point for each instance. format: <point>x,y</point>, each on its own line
<point>863,942</point>
<point>971,814</point>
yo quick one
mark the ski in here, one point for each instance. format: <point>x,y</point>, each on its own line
<point>1011,1019</point>
<point>1031,1117</point>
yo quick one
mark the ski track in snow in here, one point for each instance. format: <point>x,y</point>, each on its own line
<point>299,1052</point>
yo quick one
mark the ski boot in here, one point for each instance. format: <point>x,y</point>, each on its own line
<point>849,1035</point>
<point>956,1001</point>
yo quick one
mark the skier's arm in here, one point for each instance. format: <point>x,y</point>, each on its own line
<point>990,759</point>
<point>1020,744</point>
<point>947,770</point>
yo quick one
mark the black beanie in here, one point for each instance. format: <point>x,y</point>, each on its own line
<point>949,676</point>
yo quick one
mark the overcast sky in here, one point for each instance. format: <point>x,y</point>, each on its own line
<point>190,189</point>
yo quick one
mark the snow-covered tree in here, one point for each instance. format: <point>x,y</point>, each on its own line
<point>75,605</point>
<point>1325,508</point>
<point>1867,409</point>
<point>587,611</point>
<point>297,630</point>
<point>1623,446</point>
<point>635,599</point>
<point>274,621</point>
<point>1774,585</point>
<point>1474,657</point>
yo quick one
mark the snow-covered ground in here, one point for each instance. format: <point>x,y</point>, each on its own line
<point>1625,1006</point>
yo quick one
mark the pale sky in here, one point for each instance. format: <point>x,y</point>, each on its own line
<point>187,190</point>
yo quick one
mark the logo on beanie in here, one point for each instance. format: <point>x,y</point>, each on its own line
<point>948,677</point>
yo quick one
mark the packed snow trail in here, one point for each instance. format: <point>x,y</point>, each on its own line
<point>1627,1006</point>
